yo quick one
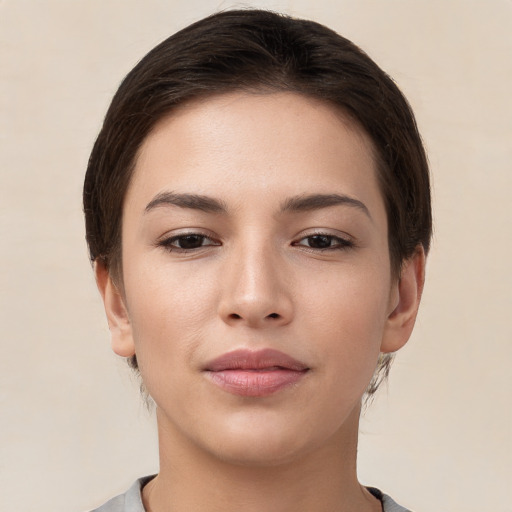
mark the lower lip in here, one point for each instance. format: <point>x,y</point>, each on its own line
<point>255,382</point>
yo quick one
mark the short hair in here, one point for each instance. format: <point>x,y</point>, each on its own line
<point>257,50</point>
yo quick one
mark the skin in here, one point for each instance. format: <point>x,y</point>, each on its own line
<point>313,283</point>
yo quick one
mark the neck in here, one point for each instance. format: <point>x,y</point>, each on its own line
<point>323,480</point>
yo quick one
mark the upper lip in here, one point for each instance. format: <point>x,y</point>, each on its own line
<point>244,359</point>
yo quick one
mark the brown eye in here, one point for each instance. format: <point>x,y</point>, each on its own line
<point>324,242</point>
<point>320,241</point>
<point>187,242</point>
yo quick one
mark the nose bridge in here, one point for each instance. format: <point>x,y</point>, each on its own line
<point>255,290</point>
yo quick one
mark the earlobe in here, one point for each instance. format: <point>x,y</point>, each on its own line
<point>116,311</point>
<point>400,322</point>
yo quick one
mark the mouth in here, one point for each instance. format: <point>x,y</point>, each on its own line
<point>255,373</point>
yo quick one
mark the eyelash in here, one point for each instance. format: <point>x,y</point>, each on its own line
<point>339,243</point>
<point>167,243</point>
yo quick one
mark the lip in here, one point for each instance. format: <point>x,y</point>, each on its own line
<point>255,373</point>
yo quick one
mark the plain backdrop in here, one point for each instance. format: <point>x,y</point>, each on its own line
<point>73,430</point>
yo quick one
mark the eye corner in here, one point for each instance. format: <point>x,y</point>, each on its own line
<point>187,242</point>
<point>323,242</point>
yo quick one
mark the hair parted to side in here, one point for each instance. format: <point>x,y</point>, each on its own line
<point>256,50</point>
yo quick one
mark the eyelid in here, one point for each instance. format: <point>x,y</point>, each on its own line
<point>167,240</point>
<point>345,241</point>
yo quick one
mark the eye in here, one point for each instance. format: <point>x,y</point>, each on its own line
<point>187,242</point>
<point>322,242</point>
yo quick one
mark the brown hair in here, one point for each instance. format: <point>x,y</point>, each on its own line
<point>260,50</point>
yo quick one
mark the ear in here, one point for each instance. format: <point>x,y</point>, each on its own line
<point>117,314</point>
<point>406,296</point>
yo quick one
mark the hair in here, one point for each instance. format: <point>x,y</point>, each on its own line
<point>256,50</point>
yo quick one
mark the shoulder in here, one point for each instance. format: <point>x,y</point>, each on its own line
<point>130,501</point>
<point>388,504</point>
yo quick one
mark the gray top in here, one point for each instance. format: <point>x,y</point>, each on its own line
<point>131,500</point>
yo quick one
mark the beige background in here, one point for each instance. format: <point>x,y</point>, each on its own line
<point>73,430</point>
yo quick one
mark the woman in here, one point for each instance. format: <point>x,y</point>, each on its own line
<point>258,213</point>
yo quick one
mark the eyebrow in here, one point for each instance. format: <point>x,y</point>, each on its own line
<point>317,201</point>
<point>193,201</point>
<point>302,203</point>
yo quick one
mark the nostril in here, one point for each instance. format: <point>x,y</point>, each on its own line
<point>236,316</point>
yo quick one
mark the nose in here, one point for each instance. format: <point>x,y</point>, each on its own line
<point>256,291</point>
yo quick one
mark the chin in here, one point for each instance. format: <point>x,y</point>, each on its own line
<point>263,442</point>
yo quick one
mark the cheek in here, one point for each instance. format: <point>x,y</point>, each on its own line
<point>348,298</point>
<point>347,319</point>
<point>170,310</point>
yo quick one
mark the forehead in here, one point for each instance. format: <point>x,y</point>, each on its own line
<point>243,145</point>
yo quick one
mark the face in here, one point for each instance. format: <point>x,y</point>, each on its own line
<point>257,287</point>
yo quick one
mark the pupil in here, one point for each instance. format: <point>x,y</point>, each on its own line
<point>319,241</point>
<point>191,241</point>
